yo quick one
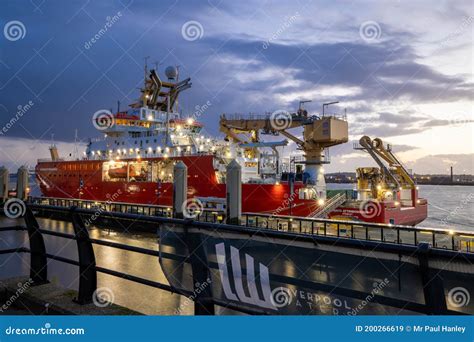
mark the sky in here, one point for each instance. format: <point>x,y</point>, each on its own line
<point>401,70</point>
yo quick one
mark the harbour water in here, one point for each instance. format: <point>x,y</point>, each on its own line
<point>449,206</point>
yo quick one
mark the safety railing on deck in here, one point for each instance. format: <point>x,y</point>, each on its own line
<point>404,235</point>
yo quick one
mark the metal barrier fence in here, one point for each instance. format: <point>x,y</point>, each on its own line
<point>403,235</point>
<point>204,302</point>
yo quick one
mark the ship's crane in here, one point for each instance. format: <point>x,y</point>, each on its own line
<point>160,95</point>
<point>319,133</point>
<point>395,171</point>
<point>392,175</point>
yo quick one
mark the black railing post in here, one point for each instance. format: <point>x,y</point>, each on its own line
<point>87,272</point>
<point>203,302</point>
<point>38,259</point>
<point>433,287</point>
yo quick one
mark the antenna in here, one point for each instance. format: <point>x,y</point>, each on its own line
<point>146,68</point>
<point>157,64</point>
<point>328,104</point>
<point>177,80</point>
<point>75,152</point>
<point>302,102</point>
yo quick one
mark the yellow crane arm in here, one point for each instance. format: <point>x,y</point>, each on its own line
<point>393,161</point>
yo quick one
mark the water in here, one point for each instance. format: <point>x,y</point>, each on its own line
<point>141,298</point>
<point>449,206</point>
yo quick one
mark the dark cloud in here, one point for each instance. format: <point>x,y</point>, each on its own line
<point>68,82</point>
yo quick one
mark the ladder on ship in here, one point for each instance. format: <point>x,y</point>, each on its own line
<point>331,204</point>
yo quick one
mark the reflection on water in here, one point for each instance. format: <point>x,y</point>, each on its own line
<point>135,296</point>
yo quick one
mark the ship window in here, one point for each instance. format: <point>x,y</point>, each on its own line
<point>154,140</point>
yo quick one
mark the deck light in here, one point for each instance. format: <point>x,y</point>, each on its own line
<point>320,201</point>
<point>190,121</point>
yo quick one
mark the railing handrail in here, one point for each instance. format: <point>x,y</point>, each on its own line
<point>192,224</point>
<point>383,225</point>
<point>315,234</point>
<point>360,223</point>
<point>159,206</point>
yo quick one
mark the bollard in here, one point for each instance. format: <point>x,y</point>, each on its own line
<point>234,192</point>
<point>180,189</point>
<point>4,179</point>
<point>22,183</point>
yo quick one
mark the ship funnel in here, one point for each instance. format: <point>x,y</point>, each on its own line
<point>53,150</point>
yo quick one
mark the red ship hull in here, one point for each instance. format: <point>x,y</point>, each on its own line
<point>409,216</point>
<point>84,180</point>
<point>63,179</point>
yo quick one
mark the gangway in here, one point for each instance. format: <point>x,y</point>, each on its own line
<point>329,206</point>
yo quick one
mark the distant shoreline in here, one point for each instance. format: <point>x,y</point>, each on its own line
<point>424,183</point>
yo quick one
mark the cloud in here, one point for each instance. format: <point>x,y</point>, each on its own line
<point>318,55</point>
<point>441,163</point>
<point>16,152</point>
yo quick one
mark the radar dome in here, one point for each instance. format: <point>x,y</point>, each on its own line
<point>171,72</point>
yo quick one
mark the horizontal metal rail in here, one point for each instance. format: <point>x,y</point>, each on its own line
<point>416,307</point>
<point>454,240</point>
<point>461,241</point>
<point>140,280</point>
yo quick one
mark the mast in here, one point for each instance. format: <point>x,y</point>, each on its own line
<point>145,71</point>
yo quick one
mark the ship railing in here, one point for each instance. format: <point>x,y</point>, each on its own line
<point>454,240</point>
<point>438,238</point>
<point>205,214</point>
<point>45,160</point>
